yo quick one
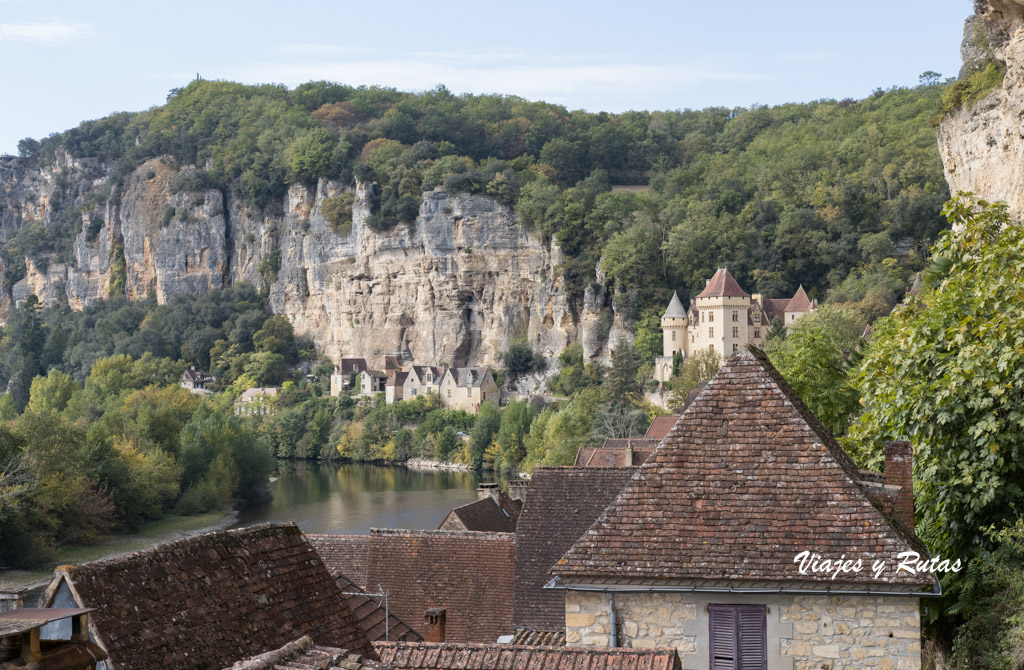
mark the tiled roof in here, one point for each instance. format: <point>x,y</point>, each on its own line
<point>421,372</point>
<point>746,480</point>
<point>775,308</point>
<point>613,453</point>
<point>469,574</point>
<point>675,308</point>
<point>343,554</point>
<point>376,373</point>
<point>348,365</point>
<point>561,504</point>
<point>251,394</point>
<point>488,515</point>
<point>469,376</point>
<point>538,638</point>
<point>210,600</point>
<point>397,378</point>
<point>370,612</point>
<point>444,656</point>
<point>303,654</point>
<point>660,426</point>
<point>800,301</point>
<point>722,284</point>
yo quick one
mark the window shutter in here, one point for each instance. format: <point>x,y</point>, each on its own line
<point>723,637</point>
<point>752,638</point>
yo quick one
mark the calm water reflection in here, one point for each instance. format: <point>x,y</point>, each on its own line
<point>354,497</point>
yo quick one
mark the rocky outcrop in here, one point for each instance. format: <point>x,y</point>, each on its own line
<point>983,147</point>
<point>455,287</point>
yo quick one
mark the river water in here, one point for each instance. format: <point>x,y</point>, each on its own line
<point>352,498</point>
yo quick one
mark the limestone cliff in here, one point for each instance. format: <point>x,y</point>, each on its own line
<point>455,287</point>
<point>983,147</point>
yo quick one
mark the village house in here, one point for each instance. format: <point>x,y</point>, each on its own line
<point>616,453</point>
<point>394,389</point>
<point>343,371</point>
<point>699,550</point>
<point>260,400</point>
<point>468,388</point>
<point>209,601</point>
<point>421,379</point>
<point>195,381</point>
<point>722,318</point>
<point>492,512</point>
<point>371,382</point>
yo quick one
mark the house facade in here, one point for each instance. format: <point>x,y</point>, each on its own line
<point>394,389</point>
<point>468,388</point>
<point>343,372</point>
<point>722,318</point>
<point>371,382</point>
<point>421,379</point>
<point>700,550</point>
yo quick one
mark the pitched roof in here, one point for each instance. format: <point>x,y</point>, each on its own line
<point>660,426</point>
<point>538,638</point>
<point>251,394</point>
<point>800,301</point>
<point>303,654</point>
<point>469,376</point>
<point>348,365</point>
<point>397,378</point>
<point>775,308</point>
<point>446,656</point>
<point>469,574</point>
<point>746,480</point>
<point>343,554</point>
<point>489,515</point>
<point>209,600</point>
<point>675,308</point>
<point>371,613</point>
<point>617,453</point>
<point>561,504</point>
<point>375,373</point>
<point>722,284</point>
<point>421,371</point>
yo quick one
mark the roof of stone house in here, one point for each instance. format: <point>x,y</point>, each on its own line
<point>469,376</point>
<point>538,638</point>
<point>747,480</point>
<point>397,378</point>
<point>489,515</point>
<point>348,365</point>
<point>675,308</point>
<point>343,554</point>
<point>421,371</point>
<point>723,284</point>
<point>775,308</point>
<point>561,504</point>
<point>660,426</point>
<point>800,301</point>
<point>379,374</point>
<point>210,600</point>
<point>469,574</point>
<point>374,614</point>
<point>251,394</point>
<point>304,654</point>
<point>191,375</point>
<point>613,453</point>
<point>446,656</point>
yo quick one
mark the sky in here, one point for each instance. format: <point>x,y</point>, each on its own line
<point>62,62</point>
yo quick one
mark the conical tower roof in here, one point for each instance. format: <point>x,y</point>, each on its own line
<point>800,301</point>
<point>723,284</point>
<point>675,308</point>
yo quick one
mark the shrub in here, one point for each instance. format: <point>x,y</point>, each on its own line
<point>337,212</point>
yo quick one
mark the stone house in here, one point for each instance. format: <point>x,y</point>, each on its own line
<point>195,381</point>
<point>371,382</point>
<point>258,400</point>
<point>699,550</point>
<point>343,371</point>
<point>468,388</point>
<point>394,389</point>
<point>492,512</point>
<point>723,318</point>
<point>210,600</point>
<point>422,379</point>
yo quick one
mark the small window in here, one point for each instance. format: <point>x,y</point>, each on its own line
<point>483,395</point>
<point>692,338</point>
<point>711,316</point>
<point>414,391</point>
<point>449,393</point>
<point>757,332</point>
<point>735,315</point>
<point>738,637</point>
<point>735,331</point>
<point>711,332</point>
<point>757,317</point>
<point>469,392</point>
<point>673,336</point>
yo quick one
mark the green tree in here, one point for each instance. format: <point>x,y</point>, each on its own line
<point>446,444</point>
<point>488,421</point>
<point>621,386</point>
<point>697,368</point>
<point>521,360</point>
<point>946,371</point>
<point>51,392</point>
<point>512,434</point>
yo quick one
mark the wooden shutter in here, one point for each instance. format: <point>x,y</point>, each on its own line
<point>723,637</point>
<point>752,643</point>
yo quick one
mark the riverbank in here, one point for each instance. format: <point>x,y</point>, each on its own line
<point>426,464</point>
<point>151,534</point>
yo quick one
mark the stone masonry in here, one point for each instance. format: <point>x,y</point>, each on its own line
<point>804,632</point>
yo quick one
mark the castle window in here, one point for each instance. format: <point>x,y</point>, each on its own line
<point>757,317</point>
<point>673,336</point>
<point>711,316</point>
<point>735,331</point>
<point>735,315</point>
<point>757,332</point>
<point>692,338</point>
<point>711,332</point>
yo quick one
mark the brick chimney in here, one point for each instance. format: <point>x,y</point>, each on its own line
<point>433,624</point>
<point>899,471</point>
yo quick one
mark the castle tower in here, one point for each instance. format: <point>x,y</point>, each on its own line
<point>673,333</point>
<point>722,322</point>
<point>798,306</point>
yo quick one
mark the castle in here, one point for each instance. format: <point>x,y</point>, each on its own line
<point>721,318</point>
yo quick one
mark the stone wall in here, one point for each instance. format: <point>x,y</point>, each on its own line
<point>803,632</point>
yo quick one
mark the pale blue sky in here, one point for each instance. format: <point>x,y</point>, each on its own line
<point>62,62</point>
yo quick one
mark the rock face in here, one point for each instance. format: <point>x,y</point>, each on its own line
<point>983,147</point>
<point>455,287</point>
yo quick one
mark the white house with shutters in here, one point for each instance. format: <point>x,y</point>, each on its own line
<point>701,549</point>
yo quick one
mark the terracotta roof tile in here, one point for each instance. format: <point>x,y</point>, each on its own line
<point>561,504</point>
<point>303,654</point>
<point>469,574</point>
<point>370,612</point>
<point>445,656</point>
<point>800,301</point>
<point>746,480</point>
<point>775,308</point>
<point>722,284</point>
<point>209,600</point>
<point>487,515</point>
<point>343,554</point>
<point>538,638</point>
<point>660,426</point>
<point>614,452</point>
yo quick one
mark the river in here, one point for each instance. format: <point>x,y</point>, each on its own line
<point>352,498</point>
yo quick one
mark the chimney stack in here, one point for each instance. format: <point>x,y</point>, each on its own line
<point>433,624</point>
<point>899,471</point>
<point>484,490</point>
<point>517,489</point>
<point>9,600</point>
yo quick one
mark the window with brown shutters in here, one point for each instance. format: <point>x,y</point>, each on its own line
<point>738,639</point>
